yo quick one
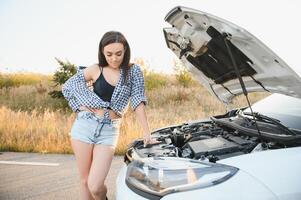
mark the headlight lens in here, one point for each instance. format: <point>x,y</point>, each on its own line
<point>164,175</point>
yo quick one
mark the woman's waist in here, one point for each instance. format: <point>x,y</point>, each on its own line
<point>101,112</point>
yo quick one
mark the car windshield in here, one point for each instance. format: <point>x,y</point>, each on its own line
<point>284,108</point>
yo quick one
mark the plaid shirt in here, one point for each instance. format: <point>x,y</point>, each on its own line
<point>77,93</point>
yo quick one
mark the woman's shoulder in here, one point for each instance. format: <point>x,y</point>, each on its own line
<point>90,71</point>
<point>94,66</point>
<point>136,73</point>
<point>135,68</point>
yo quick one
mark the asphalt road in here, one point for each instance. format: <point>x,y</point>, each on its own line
<point>30,179</point>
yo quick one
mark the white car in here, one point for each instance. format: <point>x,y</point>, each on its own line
<point>248,153</point>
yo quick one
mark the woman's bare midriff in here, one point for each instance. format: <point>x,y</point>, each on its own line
<point>100,112</point>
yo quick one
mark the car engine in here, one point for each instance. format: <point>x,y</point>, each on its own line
<point>204,140</point>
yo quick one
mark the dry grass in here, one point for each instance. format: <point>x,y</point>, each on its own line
<point>34,132</point>
<point>31,97</point>
<point>47,131</point>
<point>18,79</point>
<point>31,121</point>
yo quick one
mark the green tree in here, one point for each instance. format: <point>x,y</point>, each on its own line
<point>65,71</point>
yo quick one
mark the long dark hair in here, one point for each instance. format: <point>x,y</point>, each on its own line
<point>113,37</point>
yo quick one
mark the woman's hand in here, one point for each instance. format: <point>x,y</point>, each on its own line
<point>148,140</point>
<point>141,116</point>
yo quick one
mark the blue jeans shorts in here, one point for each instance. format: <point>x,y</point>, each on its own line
<point>93,129</point>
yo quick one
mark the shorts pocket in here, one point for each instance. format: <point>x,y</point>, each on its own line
<point>83,126</point>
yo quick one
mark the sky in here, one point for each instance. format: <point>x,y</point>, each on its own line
<point>34,32</point>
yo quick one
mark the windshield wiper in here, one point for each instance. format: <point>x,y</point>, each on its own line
<point>270,120</point>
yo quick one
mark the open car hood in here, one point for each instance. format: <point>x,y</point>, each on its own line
<point>198,39</point>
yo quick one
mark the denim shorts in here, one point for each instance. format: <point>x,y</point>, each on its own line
<point>93,129</point>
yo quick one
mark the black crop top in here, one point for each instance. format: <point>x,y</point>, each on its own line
<point>102,88</point>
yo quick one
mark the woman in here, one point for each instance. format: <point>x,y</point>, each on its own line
<point>94,133</point>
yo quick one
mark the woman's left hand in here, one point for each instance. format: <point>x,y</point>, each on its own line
<point>148,140</point>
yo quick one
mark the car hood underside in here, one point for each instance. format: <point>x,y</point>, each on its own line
<point>198,39</point>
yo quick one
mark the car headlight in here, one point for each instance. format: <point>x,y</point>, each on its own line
<point>158,176</point>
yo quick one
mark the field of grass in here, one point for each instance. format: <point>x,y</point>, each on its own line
<point>18,79</point>
<point>32,121</point>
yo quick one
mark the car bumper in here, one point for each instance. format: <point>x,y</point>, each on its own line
<point>240,186</point>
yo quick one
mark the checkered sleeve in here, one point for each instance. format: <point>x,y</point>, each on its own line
<point>137,87</point>
<point>77,93</point>
<point>68,90</point>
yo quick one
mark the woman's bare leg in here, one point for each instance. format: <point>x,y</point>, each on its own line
<point>102,158</point>
<point>83,154</point>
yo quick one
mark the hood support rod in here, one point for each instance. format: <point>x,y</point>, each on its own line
<point>245,92</point>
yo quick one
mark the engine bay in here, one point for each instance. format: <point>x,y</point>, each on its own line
<point>203,140</point>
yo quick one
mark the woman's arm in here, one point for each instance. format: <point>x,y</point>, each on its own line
<point>141,117</point>
<point>138,101</point>
<point>76,92</point>
<point>90,71</point>
<point>78,80</point>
